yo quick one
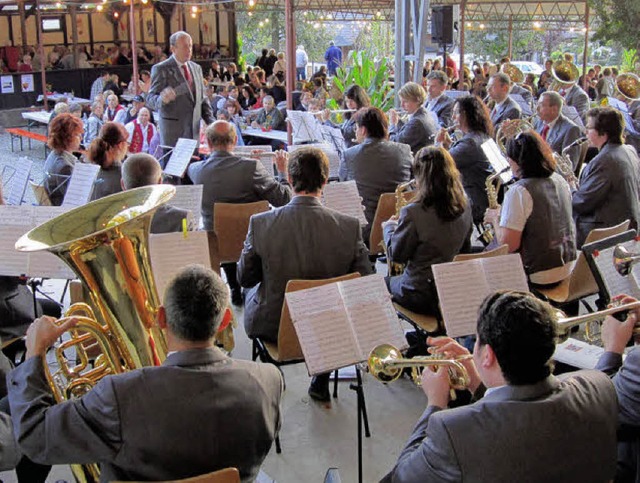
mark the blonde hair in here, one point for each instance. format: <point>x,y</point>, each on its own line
<point>413,92</point>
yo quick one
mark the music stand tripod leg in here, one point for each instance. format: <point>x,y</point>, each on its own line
<point>362,418</point>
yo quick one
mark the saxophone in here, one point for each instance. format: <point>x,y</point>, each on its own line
<point>492,186</point>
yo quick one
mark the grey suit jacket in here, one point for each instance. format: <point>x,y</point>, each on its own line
<point>181,117</point>
<point>107,182</point>
<point>174,421</point>
<point>578,98</point>
<point>168,219</point>
<point>627,383</point>
<point>555,430</point>
<point>377,166</point>
<point>563,133</point>
<point>302,240</point>
<point>608,191</point>
<point>231,179</point>
<point>418,132</point>
<point>9,452</point>
<point>57,170</point>
<point>443,109</point>
<point>509,109</point>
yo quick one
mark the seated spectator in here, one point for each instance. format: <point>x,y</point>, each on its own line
<point>276,90</point>
<point>248,99</point>
<point>61,107</point>
<point>114,111</point>
<point>271,117</point>
<point>141,132</point>
<point>108,150</point>
<point>25,64</point>
<point>137,103</point>
<point>65,135</point>
<point>75,109</point>
<point>113,84</point>
<point>94,123</point>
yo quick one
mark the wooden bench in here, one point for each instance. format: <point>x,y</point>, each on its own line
<point>19,133</point>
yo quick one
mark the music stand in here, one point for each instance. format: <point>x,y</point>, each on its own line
<point>305,127</point>
<point>524,105</point>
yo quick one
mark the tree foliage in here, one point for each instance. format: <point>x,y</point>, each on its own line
<point>618,20</point>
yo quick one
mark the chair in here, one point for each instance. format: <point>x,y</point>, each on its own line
<point>501,250</point>
<point>226,475</point>
<point>386,209</point>
<point>231,224</point>
<point>584,147</point>
<point>580,283</point>
<point>40,194</point>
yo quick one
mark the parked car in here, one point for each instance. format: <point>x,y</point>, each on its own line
<point>528,67</point>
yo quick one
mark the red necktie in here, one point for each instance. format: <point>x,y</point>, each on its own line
<point>545,131</point>
<point>187,75</point>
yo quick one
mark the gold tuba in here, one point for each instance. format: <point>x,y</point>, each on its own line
<point>106,244</point>
<point>515,74</point>
<point>565,74</point>
<point>628,86</point>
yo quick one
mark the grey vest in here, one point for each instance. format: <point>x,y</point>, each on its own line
<point>549,236</point>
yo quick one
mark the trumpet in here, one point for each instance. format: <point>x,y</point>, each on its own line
<point>623,260</point>
<point>565,324</point>
<point>386,364</point>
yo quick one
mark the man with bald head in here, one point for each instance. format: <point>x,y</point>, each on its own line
<point>227,178</point>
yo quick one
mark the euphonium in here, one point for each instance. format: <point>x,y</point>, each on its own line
<point>514,73</point>
<point>510,129</point>
<point>565,324</point>
<point>106,244</point>
<point>565,74</point>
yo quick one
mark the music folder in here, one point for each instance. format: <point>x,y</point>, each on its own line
<point>497,160</point>
<point>345,198</point>
<point>338,324</point>
<point>180,157</point>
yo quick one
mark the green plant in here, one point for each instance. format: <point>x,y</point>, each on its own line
<point>629,59</point>
<point>242,59</point>
<point>360,69</point>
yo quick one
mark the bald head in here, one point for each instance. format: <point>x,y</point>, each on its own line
<point>140,169</point>
<point>221,136</point>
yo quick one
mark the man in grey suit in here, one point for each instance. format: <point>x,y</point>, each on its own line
<point>302,240</point>
<point>575,96</point>
<point>529,426</point>
<point>557,130</point>
<point>608,190</point>
<point>376,164</point>
<point>168,422</point>
<point>177,93</point>
<point>227,178</point>
<point>142,169</point>
<point>420,129</point>
<point>437,99</point>
<point>505,107</point>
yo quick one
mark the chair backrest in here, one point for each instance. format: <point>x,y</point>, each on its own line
<point>386,209</point>
<point>288,345</point>
<point>40,194</point>
<point>231,224</point>
<point>501,250</point>
<point>226,475</point>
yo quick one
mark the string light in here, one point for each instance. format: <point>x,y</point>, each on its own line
<point>116,15</point>
<point>252,3</point>
<point>266,20</point>
<point>58,5</point>
<point>99,8</point>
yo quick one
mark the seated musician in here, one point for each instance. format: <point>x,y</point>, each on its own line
<point>108,151</point>
<point>471,117</point>
<point>65,136</point>
<point>608,191</point>
<point>432,229</point>
<point>437,99</point>
<point>143,170</point>
<point>535,219</point>
<point>615,337</point>
<point>301,240</point>
<point>526,425</point>
<point>420,129</point>
<point>138,425</point>
<point>505,108</point>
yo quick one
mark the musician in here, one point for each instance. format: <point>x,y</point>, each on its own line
<point>136,424</point>
<point>376,164</point>
<point>432,229</point>
<point>471,117</point>
<point>505,107</point>
<point>556,129</point>
<point>575,96</point>
<point>526,424</point>
<point>355,98</point>
<point>227,178</point>
<point>108,151</point>
<point>9,451</point>
<point>420,129</point>
<point>608,190</point>
<point>298,241</point>
<point>437,100</point>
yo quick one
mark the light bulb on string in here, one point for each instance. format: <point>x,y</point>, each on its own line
<point>116,15</point>
<point>99,8</point>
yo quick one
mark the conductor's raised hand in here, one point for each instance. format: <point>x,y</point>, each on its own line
<point>43,332</point>
<point>168,95</point>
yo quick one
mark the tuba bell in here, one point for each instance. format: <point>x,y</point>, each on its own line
<point>514,73</point>
<point>106,244</point>
<point>628,86</point>
<point>565,74</point>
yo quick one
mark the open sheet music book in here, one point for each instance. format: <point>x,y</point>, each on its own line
<point>497,160</point>
<point>15,222</point>
<point>338,324</point>
<point>171,252</point>
<point>304,126</point>
<point>453,94</point>
<point>189,197</point>
<point>462,287</point>
<point>344,197</point>
<point>264,156</point>
<point>180,157</point>
<point>80,185</point>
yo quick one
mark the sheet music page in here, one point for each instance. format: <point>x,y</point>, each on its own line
<point>453,94</point>
<point>305,126</point>
<point>505,272</point>
<point>434,118</point>
<point>461,287</point>
<point>617,104</point>
<point>572,113</point>
<point>180,157</point>
<point>19,181</point>
<point>80,184</point>
<point>245,150</point>
<point>43,263</point>
<point>333,136</point>
<point>577,353</point>
<point>323,328</point>
<point>497,159</point>
<point>630,124</point>
<point>369,307</point>
<point>526,108</point>
<point>332,154</point>
<point>170,252</point>
<point>344,197</point>
<point>15,222</point>
<point>189,197</point>
<point>615,283</point>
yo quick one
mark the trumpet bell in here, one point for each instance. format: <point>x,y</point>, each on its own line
<point>628,85</point>
<point>379,359</point>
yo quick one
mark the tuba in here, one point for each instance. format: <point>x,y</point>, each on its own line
<point>564,74</point>
<point>514,73</point>
<point>628,86</point>
<point>106,244</point>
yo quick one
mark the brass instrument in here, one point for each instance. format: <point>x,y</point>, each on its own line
<point>565,74</point>
<point>514,73</point>
<point>106,244</point>
<point>510,129</point>
<point>623,260</point>
<point>565,324</point>
<point>564,167</point>
<point>401,201</point>
<point>628,86</point>
<point>492,187</point>
<point>386,364</point>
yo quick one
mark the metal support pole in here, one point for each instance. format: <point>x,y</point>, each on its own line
<point>134,47</point>
<point>74,34</point>
<point>585,55</point>
<point>23,26</point>
<point>463,5</point>
<point>43,74</point>
<point>510,53</point>
<point>290,33</point>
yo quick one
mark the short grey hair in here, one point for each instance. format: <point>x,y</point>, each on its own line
<point>140,169</point>
<point>173,40</point>
<point>502,78</point>
<point>195,302</point>
<point>270,98</point>
<point>555,99</point>
<point>413,92</point>
<point>438,75</point>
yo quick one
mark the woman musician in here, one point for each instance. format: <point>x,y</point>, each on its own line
<point>355,98</point>
<point>535,219</point>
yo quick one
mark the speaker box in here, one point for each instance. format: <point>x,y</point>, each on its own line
<point>442,24</point>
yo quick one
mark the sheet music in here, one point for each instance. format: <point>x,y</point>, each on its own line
<point>305,126</point>
<point>456,94</point>
<point>189,197</point>
<point>461,286</point>
<point>630,124</point>
<point>180,157</point>
<point>344,197</point>
<point>371,312</point>
<point>81,184</point>
<point>43,263</point>
<point>332,154</point>
<point>323,328</point>
<point>434,118</point>
<point>333,136</point>
<point>497,160</point>
<point>617,104</point>
<point>524,105</point>
<point>266,161</point>
<point>246,150</point>
<point>505,272</point>
<point>572,113</point>
<point>171,252</point>
<point>615,283</point>
<point>19,181</point>
<point>577,353</point>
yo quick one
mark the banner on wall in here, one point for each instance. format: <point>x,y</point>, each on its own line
<point>6,84</point>
<point>27,83</point>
